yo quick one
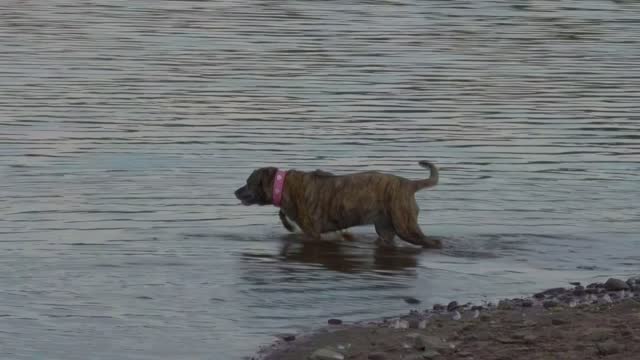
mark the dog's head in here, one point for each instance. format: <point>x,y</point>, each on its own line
<point>258,190</point>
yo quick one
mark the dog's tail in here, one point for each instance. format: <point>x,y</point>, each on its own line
<point>426,183</point>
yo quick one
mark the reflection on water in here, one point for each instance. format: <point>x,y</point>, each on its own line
<point>125,127</point>
<point>356,256</point>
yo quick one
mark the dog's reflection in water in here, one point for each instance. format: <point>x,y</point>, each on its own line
<point>348,256</point>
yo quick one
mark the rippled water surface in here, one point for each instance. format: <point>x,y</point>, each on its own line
<point>125,126</point>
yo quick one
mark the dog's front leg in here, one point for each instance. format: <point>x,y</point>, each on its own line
<point>308,227</point>
<point>285,222</point>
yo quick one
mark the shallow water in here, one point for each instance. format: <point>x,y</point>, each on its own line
<point>125,127</point>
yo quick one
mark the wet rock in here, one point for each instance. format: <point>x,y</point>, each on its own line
<point>595,285</point>
<point>334,322</point>
<point>592,290</point>
<point>505,305</point>
<point>477,308</point>
<point>326,354</point>
<point>377,356</point>
<point>452,306</point>
<point>411,300</point>
<point>608,347</point>
<point>575,283</point>
<point>579,290</point>
<point>527,303</point>
<point>438,307</point>
<point>615,284</point>
<point>632,281</point>
<point>288,337</point>
<point>550,304</point>
<point>551,292</point>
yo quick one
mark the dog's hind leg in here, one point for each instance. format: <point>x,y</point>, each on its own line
<point>405,223</point>
<point>285,222</point>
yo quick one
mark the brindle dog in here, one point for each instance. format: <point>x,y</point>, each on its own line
<point>320,202</point>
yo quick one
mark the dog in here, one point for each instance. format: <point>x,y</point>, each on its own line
<point>320,202</point>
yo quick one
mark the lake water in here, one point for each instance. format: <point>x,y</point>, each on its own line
<point>125,127</point>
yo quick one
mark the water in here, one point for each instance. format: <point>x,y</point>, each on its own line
<point>126,126</point>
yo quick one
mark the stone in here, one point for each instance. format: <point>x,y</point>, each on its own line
<point>615,284</point>
<point>608,347</point>
<point>334,322</point>
<point>427,342</point>
<point>414,322</point>
<point>452,306</point>
<point>527,303</point>
<point>438,307</point>
<point>605,299</point>
<point>595,285</point>
<point>477,307</point>
<point>530,339</point>
<point>559,322</point>
<point>575,283</point>
<point>430,355</point>
<point>411,300</point>
<point>288,338</point>
<point>505,305</point>
<point>326,354</point>
<point>551,292</point>
<point>634,280</point>
<point>377,356</point>
<point>550,304</point>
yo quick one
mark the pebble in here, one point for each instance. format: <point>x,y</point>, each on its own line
<point>606,299</point>
<point>430,355</point>
<point>326,354</point>
<point>334,322</point>
<point>400,324</point>
<point>608,347</point>
<point>427,342</point>
<point>377,356</point>
<point>411,300</point>
<point>615,284</point>
<point>559,322</point>
<point>452,306</point>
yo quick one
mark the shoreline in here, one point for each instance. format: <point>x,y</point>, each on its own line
<point>581,322</point>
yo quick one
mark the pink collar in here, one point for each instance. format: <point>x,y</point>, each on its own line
<point>278,187</point>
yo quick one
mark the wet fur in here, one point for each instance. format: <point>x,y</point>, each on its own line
<point>320,202</point>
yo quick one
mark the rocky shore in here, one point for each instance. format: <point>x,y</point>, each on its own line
<point>599,320</point>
